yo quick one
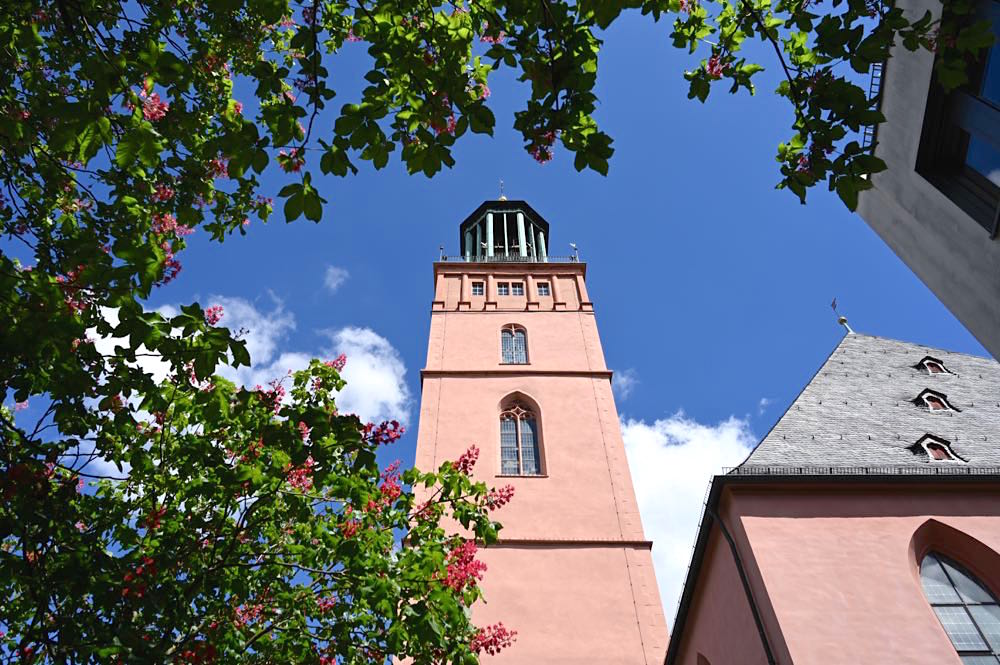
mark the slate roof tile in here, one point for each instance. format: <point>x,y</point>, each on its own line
<point>858,412</point>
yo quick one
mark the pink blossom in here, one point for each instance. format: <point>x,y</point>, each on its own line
<point>492,39</point>
<point>543,151</point>
<point>326,604</point>
<point>293,161</point>
<point>304,431</point>
<point>492,639</point>
<point>273,396</point>
<point>715,67</point>
<point>497,498</point>
<point>162,193</point>
<point>351,37</point>
<point>349,528</point>
<point>247,614</point>
<point>213,314</point>
<point>463,570</point>
<point>467,460</point>
<point>238,108</point>
<point>384,433</point>
<point>171,266</point>
<point>153,108</point>
<point>301,477</point>
<point>218,168</point>
<point>337,363</point>
<point>80,526</point>
<point>20,406</point>
<point>390,488</point>
<point>167,223</point>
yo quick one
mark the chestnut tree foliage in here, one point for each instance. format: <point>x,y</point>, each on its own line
<point>168,515</point>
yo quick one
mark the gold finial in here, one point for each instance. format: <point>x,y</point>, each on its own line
<point>503,197</point>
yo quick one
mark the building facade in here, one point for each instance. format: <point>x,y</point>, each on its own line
<point>515,366</point>
<point>864,528</point>
<point>938,204</point>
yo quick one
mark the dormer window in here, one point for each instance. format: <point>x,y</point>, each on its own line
<point>937,449</point>
<point>932,366</point>
<point>934,401</point>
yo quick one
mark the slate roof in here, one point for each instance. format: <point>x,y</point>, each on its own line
<point>857,415</point>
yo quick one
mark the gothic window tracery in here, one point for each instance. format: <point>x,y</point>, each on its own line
<point>968,612</point>
<point>519,442</point>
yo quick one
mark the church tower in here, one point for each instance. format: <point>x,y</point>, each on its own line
<point>515,366</point>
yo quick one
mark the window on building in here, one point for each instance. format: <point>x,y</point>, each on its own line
<point>503,288</point>
<point>517,288</point>
<point>934,401</point>
<point>968,612</point>
<point>932,366</point>
<point>519,442</point>
<point>478,289</point>
<point>937,449</point>
<point>543,288</point>
<point>960,143</point>
<point>513,345</point>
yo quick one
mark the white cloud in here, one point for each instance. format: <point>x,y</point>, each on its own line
<point>335,277</point>
<point>623,382</point>
<point>763,404</point>
<point>672,462</point>
<point>375,373</point>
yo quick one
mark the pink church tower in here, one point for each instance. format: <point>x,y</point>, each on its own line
<point>515,366</point>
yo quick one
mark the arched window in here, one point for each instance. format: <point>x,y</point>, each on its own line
<point>514,345</point>
<point>519,442</point>
<point>968,612</point>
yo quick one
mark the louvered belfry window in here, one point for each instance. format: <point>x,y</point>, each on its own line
<point>519,442</point>
<point>968,612</point>
<point>514,346</point>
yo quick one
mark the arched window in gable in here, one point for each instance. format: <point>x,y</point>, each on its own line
<point>513,345</point>
<point>519,450</point>
<point>968,612</point>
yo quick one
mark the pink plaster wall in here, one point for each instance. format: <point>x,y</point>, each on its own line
<point>569,604</point>
<point>835,571</point>
<point>720,627</point>
<point>574,575</point>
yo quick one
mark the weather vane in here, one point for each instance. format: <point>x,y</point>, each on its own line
<point>503,197</point>
<point>841,319</point>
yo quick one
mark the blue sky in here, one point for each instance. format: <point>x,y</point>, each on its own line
<point>712,289</point>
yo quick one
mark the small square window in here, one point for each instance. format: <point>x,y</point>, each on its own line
<point>478,289</point>
<point>517,288</point>
<point>543,288</point>
<point>503,288</point>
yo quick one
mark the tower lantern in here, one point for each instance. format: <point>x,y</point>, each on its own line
<point>515,366</point>
<point>504,231</point>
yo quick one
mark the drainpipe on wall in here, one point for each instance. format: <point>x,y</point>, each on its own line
<point>746,585</point>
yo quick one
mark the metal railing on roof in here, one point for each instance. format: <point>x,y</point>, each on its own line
<point>510,258</point>
<point>869,132</point>
<point>927,470</point>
